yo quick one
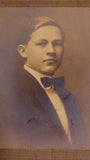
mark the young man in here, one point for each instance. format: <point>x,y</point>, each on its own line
<point>45,114</point>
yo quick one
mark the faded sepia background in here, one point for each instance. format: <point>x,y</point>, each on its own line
<point>75,66</point>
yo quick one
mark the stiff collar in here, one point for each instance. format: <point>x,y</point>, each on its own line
<point>37,75</point>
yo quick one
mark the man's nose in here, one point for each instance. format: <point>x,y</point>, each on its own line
<point>51,50</point>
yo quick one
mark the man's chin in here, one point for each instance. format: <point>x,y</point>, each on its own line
<point>49,72</point>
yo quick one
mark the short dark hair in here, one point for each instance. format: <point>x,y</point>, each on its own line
<point>36,23</point>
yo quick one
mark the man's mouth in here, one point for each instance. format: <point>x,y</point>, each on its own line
<point>50,60</point>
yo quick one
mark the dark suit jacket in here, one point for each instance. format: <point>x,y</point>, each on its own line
<point>28,118</point>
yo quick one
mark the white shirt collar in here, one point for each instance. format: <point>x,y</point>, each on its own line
<point>35,74</point>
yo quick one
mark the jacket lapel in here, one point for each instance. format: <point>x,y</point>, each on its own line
<point>67,100</point>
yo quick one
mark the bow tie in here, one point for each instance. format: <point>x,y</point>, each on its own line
<point>46,81</point>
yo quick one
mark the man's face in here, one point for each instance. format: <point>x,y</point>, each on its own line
<point>45,50</point>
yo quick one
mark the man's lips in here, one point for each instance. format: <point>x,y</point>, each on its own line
<point>50,60</point>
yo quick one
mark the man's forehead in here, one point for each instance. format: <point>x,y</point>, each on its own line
<point>47,32</point>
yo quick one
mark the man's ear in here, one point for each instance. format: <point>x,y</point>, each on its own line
<point>22,51</point>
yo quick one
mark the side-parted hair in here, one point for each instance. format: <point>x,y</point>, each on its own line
<point>36,23</point>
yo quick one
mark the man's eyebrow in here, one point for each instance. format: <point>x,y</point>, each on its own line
<point>58,40</point>
<point>40,40</point>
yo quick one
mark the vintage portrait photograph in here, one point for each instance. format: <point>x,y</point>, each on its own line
<point>44,78</point>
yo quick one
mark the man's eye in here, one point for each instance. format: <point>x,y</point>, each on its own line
<point>42,44</point>
<point>58,43</point>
